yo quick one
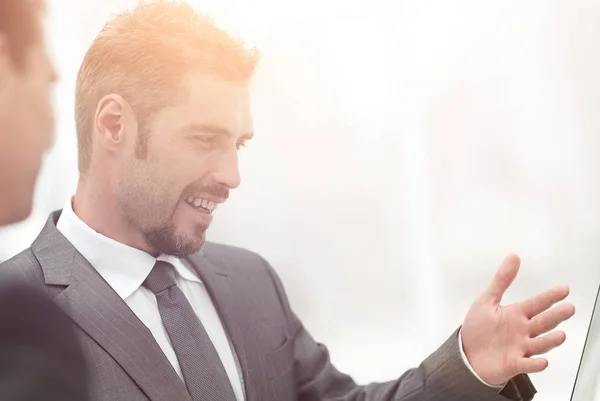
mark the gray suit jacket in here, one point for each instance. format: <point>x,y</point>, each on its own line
<point>279,359</point>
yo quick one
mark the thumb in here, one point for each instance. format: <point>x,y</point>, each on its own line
<point>503,278</point>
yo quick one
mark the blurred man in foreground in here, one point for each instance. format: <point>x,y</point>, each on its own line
<point>26,79</point>
<point>162,109</point>
<point>39,354</point>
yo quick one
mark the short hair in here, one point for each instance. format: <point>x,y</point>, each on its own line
<point>20,23</point>
<point>142,54</point>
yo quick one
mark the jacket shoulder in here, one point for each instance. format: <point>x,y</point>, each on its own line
<point>213,250</point>
<point>23,266</point>
<point>239,261</point>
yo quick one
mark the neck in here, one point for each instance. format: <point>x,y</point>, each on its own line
<point>95,204</point>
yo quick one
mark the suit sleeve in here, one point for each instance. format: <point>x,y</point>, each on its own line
<point>443,376</point>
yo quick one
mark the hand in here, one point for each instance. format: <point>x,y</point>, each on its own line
<point>499,341</point>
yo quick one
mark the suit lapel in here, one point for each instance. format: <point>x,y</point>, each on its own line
<point>103,315</point>
<point>234,316</point>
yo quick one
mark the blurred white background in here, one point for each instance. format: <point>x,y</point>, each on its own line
<point>403,149</point>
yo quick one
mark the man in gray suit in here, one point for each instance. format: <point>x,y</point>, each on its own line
<point>162,108</point>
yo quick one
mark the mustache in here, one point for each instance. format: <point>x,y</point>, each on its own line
<point>216,190</point>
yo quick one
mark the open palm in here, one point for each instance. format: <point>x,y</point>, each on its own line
<point>500,341</point>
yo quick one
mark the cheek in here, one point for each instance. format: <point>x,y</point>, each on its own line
<point>23,148</point>
<point>184,176</point>
<point>157,185</point>
<point>171,173</point>
<point>37,115</point>
<point>184,218</point>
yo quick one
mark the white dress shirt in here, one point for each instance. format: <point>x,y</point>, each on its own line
<point>125,268</point>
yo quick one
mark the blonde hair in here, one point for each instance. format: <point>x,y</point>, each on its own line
<point>142,54</point>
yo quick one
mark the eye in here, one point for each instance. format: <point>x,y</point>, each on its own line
<point>205,140</point>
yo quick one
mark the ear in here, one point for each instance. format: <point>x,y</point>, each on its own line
<point>113,122</point>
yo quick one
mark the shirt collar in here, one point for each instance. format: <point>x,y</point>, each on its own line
<point>182,267</point>
<point>123,267</point>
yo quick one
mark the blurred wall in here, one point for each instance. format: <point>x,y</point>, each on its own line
<point>403,149</point>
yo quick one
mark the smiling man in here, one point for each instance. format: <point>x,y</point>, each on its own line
<point>162,108</point>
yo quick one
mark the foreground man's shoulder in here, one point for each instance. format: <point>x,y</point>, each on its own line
<point>23,258</point>
<point>23,265</point>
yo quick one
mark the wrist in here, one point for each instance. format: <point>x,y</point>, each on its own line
<point>471,363</point>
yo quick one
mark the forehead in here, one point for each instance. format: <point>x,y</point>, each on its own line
<point>210,100</point>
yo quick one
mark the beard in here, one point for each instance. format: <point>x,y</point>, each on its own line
<point>143,199</point>
<point>165,240</point>
<point>162,236</point>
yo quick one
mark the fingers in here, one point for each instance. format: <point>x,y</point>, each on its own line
<point>503,278</point>
<point>543,344</point>
<point>549,320</point>
<point>531,365</point>
<point>541,302</point>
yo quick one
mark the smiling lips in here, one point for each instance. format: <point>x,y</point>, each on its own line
<point>200,204</point>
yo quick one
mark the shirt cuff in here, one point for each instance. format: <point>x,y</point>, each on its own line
<point>466,361</point>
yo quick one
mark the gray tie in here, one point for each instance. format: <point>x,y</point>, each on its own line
<point>203,371</point>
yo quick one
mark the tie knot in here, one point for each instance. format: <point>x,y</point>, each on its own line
<point>161,277</point>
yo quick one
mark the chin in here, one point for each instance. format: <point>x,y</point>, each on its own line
<point>15,211</point>
<point>189,244</point>
<point>197,242</point>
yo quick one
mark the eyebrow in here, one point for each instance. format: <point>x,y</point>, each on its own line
<point>214,129</point>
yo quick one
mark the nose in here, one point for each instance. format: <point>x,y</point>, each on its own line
<point>227,170</point>
<point>50,67</point>
<point>53,74</point>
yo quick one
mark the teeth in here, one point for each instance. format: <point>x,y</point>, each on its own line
<point>198,202</point>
